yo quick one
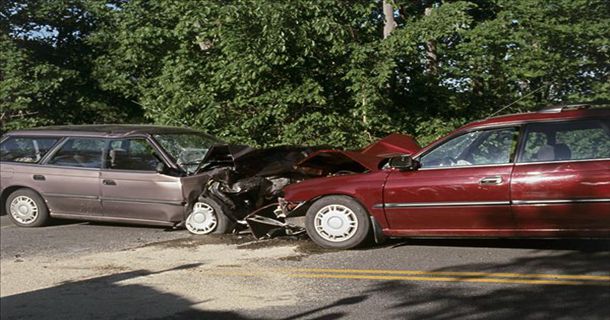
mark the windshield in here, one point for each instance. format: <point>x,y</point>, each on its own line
<point>187,149</point>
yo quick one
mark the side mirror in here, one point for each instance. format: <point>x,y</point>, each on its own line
<point>160,168</point>
<point>403,163</point>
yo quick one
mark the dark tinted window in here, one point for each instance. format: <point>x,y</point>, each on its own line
<point>560,141</point>
<point>79,152</point>
<point>25,149</point>
<point>131,154</point>
<point>484,147</point>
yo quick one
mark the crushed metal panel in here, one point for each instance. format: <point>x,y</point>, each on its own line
<point>275,161</point>
<point>265,223</point>
<point>222,155</point>
<point>368,159</point>
<point>393,144</point>
<point>338,160</point>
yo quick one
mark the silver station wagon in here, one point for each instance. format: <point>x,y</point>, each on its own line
<point>121,173</point>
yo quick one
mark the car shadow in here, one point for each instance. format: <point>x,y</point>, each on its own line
<point>107,297</point>
<point>63,222</point>
<point>584,245</point>
<point>129,225</point>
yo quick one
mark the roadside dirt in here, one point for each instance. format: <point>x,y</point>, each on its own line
<point>176,267</point>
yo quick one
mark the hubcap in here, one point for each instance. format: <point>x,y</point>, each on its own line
<point>202,219</point>
<point>336,223</point>
<point>24,209</point>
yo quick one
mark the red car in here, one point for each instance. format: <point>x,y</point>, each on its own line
<point>541,174</point>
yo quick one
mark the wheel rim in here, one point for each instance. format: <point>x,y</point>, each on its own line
<point>336,223</point>
<point>24,209</point>
<point>202,220</point>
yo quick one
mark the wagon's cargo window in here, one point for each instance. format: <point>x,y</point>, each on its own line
<point>574,140</point>
<point>131,154</point>
<point>25,149</point>
<point>79,152</point>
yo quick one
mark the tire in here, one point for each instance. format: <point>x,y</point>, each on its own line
<point>27,209</point>
<point>207,217</point>
<point>337,222</point>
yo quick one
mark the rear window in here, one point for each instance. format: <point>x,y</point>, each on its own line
<point>79,152</point>
<point>575,140</point>
<point>25,149</point>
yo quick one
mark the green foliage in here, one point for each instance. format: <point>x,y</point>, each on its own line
<point>46,68</point>
<point>302,71</point>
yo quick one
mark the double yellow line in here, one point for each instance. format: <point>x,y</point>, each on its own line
<point>417,275</point>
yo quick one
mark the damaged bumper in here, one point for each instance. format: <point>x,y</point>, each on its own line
<point>270,221</point>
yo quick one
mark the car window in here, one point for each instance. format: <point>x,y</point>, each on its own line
<point>131,154</point>
<point>187,149</point>
<point>25,149</point>
<point>79,152</point>
<point>560,141</point>
<point>483,147</point>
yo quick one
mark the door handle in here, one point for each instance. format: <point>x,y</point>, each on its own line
<point>109,182</point>
<point>39,177</point>
<point>491,180</point>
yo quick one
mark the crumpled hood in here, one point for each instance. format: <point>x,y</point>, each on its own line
<point>248,161</point>
<point>392,145</point>
<point>367,159</point>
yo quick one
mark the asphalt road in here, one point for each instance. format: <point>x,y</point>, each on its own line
<point>402,279</point>
<point>69,238</point>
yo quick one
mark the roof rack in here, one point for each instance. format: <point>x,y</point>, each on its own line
<point>565,107</point>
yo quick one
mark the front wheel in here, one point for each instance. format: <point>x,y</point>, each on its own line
<point>207,217</point>
<point>27,209</point>
<point>337,222</point>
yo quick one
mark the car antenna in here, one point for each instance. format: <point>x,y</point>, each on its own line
<point>510,104</point>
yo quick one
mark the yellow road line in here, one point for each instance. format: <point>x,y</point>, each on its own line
<point>448,273</point>
<point>320,275</point>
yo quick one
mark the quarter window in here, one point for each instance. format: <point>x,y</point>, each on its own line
<point>575,140</point>
<point>25,149</point>
<point>131,154</point>
<point>483,147</point>
<point>79,152</point>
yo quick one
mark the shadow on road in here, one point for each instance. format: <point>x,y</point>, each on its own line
<point>517,302</point>
<point>107,297</point>
<point>328,316</point>
<point>488,301</point>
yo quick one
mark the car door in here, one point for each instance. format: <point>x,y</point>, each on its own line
<point>561,182</point>
<point>462,187</point>
<point>69,180</point>
<point>133,190</point>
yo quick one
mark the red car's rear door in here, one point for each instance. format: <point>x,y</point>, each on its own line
<point>463,188</point>
<point>561,183</point>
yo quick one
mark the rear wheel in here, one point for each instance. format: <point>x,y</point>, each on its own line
<point>207,217</point>
<point>27,209</point>
<point>337,222</point>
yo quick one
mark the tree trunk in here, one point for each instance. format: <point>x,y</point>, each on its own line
<point>431,50</point>
<point>390,24</point>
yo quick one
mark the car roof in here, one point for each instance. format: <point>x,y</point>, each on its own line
<point>552,113</point>
<point>103,130</point>
<point>548,114</point>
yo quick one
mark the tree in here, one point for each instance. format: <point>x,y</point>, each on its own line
<point>46,67</point>
<point>256,72</point>
<point>303,71</point>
